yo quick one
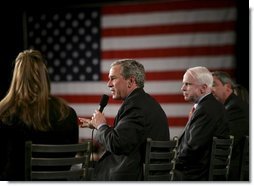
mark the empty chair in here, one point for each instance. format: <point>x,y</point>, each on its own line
<point>160,160</point>
<point>244,173</point>
<point>57,162</point>
<point>220,158</point>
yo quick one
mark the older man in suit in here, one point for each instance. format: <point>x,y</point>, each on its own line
<point>207,120</point>
<point>238,116</point>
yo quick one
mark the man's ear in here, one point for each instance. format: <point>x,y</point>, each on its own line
<point>203,88</point>
<point>228,85</point>
<point>131,81</point>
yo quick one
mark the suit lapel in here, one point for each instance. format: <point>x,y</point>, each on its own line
<point>188,123</point>
<point>118,116</point>
<point>186,126</point>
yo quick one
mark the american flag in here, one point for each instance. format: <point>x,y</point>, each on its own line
<point>167,37</point>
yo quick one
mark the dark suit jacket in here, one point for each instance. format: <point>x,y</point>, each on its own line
<point>139,117</point>
<point>238,116</point>
<point>208,120</point>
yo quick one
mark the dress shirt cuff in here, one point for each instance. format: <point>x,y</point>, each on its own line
<point>99,126</point>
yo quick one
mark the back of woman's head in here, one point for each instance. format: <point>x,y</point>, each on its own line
<point>242,92</point>
<point>30,77</point>
<point>29,92</point>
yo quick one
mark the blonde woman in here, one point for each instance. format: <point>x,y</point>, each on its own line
<point>30,112</point>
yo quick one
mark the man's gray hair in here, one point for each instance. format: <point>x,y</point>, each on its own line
<point>202,75</point>
<point>132,68</point>
<point>224,78</point>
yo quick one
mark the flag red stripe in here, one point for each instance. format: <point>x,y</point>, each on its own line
<point>168,29</point>
<point>172,121</point>
<point>169,52</point>
<point>169,75</point>
<point>176,75</point>
<point>177,121</point>
<point>165,6</point>
<point>170,98</point>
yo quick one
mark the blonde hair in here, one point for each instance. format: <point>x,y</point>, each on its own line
<point>29,92</point>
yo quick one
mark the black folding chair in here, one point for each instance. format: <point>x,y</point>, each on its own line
<point>220,158</point>
<point>57,162</point>
<point>160,160</point>
<point>244,172</point>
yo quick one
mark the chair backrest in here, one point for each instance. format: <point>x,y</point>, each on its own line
<point>220,158</point>
<point>244,172</point>
<point>160,160</point>
<point>57,162</point>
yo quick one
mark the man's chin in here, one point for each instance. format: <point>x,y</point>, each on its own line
<point>116,97</point>
<point>187,99</point>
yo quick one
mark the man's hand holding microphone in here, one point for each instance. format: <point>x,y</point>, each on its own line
<point>98,117</point>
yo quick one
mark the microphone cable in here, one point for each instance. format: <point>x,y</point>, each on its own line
<point>92,149</point>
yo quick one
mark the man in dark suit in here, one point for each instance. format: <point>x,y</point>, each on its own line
<point>208,120</point>
<point>139,117</point>
<point>238,116</point>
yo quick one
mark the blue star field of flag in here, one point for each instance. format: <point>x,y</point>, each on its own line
<point>69,40</point>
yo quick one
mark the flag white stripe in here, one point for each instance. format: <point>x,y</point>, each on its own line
<point>164,41</point>
<point>178,63</point>
<point>171,110</point>
<point>99,88</point>
<point>79,88</point>
<point>166,18</point>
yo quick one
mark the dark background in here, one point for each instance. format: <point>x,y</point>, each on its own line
<point>12,41</point>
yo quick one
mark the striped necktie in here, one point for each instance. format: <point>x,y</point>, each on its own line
<point>192,110</point>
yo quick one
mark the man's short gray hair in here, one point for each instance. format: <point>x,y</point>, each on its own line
<point>202,75</point>
<point>132,68</point>
<point>224,78</point>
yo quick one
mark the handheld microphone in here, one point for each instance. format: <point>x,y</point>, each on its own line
<point>103,102</point>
